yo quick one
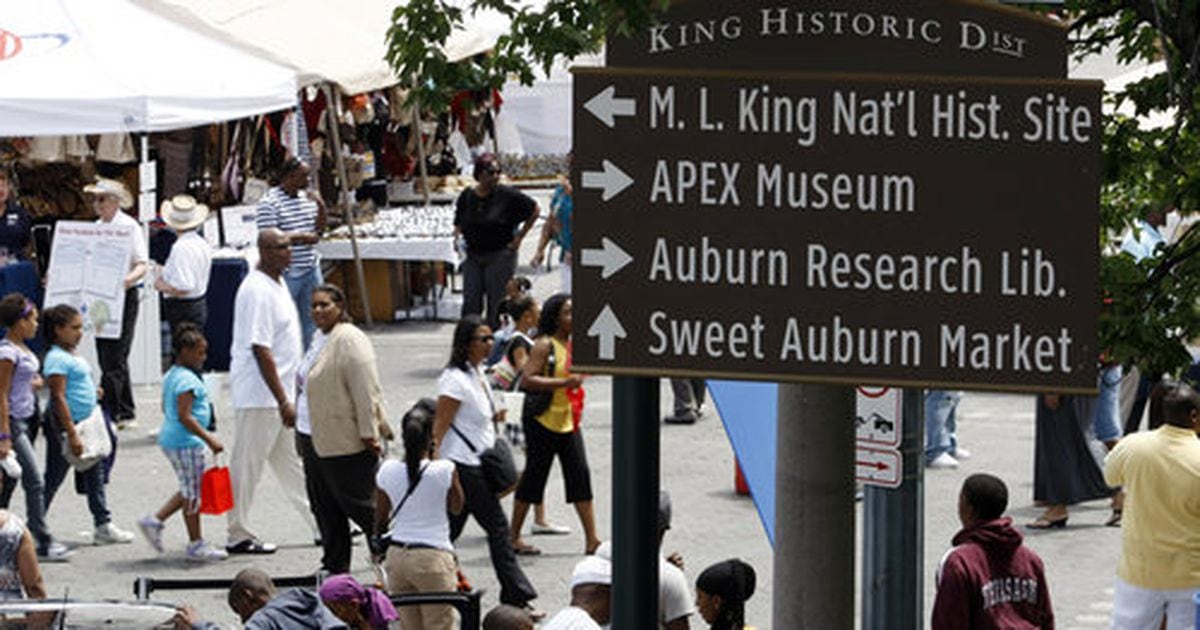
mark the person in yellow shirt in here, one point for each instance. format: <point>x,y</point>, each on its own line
<point>550,425</point>
<point>1159,570</point>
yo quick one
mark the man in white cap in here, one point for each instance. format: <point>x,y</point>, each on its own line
<point>109,197</point>
<point>184,279</point>
<point>591,598</point>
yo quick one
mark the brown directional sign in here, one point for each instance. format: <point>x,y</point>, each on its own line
<point>966,37</point>
<point>837,228</point>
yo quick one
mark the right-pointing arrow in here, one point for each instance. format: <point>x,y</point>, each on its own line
<point>607,327</point>
<point>611,257</point>
<point>606,106</point>
<point>611,180</point>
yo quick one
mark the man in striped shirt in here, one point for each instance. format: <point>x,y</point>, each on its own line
<point>301,215</point>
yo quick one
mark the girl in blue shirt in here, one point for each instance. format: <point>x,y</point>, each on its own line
<point>73,397</point>
<point>186,432</point>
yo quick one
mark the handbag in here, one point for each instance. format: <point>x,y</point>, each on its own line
<point>97,444</point>
<point>378,543</point>
<point>216,490</point>
<point>536,403</point>
<point>499,468</point>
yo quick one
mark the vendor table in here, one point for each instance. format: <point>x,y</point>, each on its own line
<point>410,249</point>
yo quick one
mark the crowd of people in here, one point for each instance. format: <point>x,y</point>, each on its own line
<point>308,403</point>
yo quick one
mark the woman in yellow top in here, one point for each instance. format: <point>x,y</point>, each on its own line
<point>553,430</point>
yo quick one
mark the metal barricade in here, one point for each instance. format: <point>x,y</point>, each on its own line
<point>469,605</point>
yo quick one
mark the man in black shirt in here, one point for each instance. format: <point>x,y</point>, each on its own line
<point>493,219</point>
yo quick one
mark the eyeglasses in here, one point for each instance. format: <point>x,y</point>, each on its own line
<point>485,338</point>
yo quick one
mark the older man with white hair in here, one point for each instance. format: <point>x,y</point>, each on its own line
<point>109,198</point>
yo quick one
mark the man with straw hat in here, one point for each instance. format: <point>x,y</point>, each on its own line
<point>184,278</point>
<point>109,197</point>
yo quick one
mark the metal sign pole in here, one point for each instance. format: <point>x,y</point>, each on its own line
<point>894,534</point>
<point>635,502</point>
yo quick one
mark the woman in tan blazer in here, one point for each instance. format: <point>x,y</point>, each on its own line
<point>339,384</point>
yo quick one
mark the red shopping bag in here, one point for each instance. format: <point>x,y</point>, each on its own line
<point>216,491</point>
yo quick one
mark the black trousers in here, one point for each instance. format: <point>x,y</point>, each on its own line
<point>340,489</point>
<point>482,503</point>
<point>179,310</point>
<point>113,355</point>
<point>487,274</point>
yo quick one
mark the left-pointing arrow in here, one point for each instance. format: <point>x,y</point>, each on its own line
<point>606,106</point>
<point>608,328</point>
<point>611,180</point>
<point>610,256</point>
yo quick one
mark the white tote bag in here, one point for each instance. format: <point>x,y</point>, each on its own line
<point>97,445</point>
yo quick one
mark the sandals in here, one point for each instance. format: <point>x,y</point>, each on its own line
<point>1044,523</point>
<point>524,549</point>
<point>1114,520</point>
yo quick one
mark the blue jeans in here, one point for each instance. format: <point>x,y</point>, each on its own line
<point>31,483</point>
<point>1107,423</point>
<point>301,286</point>
<point>940,425</point>
<point>91,481</point>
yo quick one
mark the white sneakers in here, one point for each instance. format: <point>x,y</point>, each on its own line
<point>152,529</point>
<point>961,453</point>
<point>55,552</point>
<point>943,461</point>
<point>109,534</point>
<point>201,551</point>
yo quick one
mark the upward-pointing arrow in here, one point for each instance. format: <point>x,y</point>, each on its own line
<point>606,106</point>
<point>607,327</point>
<point>611,180</point>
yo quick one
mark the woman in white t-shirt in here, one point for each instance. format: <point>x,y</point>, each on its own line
<point>464,428</point>
<point>411,501</point>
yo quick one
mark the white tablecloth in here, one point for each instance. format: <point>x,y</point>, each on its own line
<point>439,248</point>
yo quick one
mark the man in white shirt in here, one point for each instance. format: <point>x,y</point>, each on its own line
<point>264,357</point>
<point>109,197</point>
<point>675,601</point>
<point>184,279</point>
<point>591,597</point>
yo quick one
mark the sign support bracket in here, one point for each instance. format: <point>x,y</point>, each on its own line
<point>894,533</point>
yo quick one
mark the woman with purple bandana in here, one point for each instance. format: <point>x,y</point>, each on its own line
<point>361,607</point>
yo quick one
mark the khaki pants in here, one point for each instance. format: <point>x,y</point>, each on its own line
<point>422,571</point>
<point>260,438</point>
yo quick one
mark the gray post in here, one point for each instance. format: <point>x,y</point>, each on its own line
<point>635,502</point>
<point>813,584</point>
<point>894,534</point>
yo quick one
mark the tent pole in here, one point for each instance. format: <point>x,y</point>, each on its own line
<point>424,170</point>
<point>416,107</point>
<point>335,133</point>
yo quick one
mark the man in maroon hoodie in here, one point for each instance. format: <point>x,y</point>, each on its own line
<point>989,580</point>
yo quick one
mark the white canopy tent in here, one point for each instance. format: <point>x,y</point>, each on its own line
<point>96,66</point>
<point>341,42</point>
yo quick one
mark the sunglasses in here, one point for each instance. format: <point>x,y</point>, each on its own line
<point>485,338</point>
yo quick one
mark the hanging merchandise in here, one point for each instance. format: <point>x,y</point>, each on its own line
<point>116,148</point>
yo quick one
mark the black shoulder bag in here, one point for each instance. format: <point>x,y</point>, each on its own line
<point>499,469</point>
<point>536,403</point>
